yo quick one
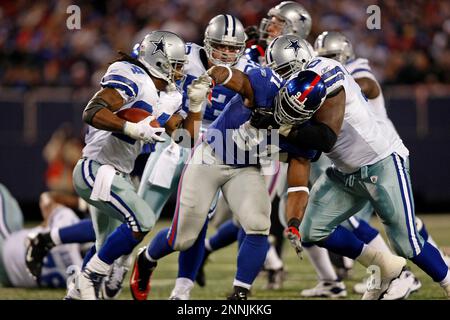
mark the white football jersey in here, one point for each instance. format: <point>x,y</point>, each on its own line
<point>359,68</point>
<point>138,91</point>
<point>361,140</point>
<point>55,264</point>
<point>195,67</point>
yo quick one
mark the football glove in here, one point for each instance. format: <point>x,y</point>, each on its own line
<point>263,119</point>
<point>198,92</point>
<point>144,131</point>
<point>293,235</point>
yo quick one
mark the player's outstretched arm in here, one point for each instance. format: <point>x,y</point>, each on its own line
<point>369,87</point>
<point>324,129</point>
<point>236,81</point>
<point>99,111</point>
<point>298,193</point>
<point>99,114</point>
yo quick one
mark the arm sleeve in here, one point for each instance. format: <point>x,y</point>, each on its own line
<point>313,135</point>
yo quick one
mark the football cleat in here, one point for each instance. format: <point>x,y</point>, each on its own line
<point>400,288</point>
<point>326,289</point>
<point>38,246</point>
<point>113,284</point>
<point>180,293</point>
<point>275,279</point>
<point>392,268</point>
<point>73,292</point>
<point>89,284</point>
<point>140,276</point>
<point>239,293</point>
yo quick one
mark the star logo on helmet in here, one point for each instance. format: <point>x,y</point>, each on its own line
<point>302,18</point>
<point>159,46</point>
<point>294,45</point>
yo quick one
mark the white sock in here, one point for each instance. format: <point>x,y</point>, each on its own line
<point>241,284</point>
<point>273,261</point>
<point>208,245</point>
<point>322,264</point>
<point>97,265</point>
<point>125,261</point>
<point>184,283</point>
<point>149,258</point>
<point>379,244</point>
<point>54,235</point>
<point>446,281</point>
<point>348,262</point>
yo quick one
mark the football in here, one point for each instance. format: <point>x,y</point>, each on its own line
<point>135,115</point>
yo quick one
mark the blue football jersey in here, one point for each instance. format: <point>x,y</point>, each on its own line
<point>235,141</point>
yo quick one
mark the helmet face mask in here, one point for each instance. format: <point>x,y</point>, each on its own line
<point>272,27</point>
<point>299,98</point>
<point>224,41</point>
<point>288,17</point>
<point>220,53</point>
<point>334,45</point>
<point>163,54</point>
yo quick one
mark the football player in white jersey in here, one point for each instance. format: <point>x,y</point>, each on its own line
<point>367,167</point>
<point>121,218</point>
<point>13,239</point>
<point>336,46</point>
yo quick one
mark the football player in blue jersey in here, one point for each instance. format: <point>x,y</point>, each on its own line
<point>224,44</point>
<point>227,158</point>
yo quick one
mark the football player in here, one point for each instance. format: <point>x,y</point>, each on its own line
<point>286,18</point>
<point>365,165</point>
<point>121,218</point>
<point>215,161</point>
<point>224,43</point>
<point>13,239</point>
<point>336,46</point>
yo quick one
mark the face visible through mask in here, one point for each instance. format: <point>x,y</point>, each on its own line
<point>275,27</point>
<point>225,53</point>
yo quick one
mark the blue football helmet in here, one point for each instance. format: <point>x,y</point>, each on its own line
<point>299,98</point>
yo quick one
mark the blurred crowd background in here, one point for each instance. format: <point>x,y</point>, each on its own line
<point>36,48</point>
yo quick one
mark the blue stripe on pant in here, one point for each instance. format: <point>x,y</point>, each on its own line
<point>407,203</point>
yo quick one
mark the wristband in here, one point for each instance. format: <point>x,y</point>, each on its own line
<point>297,189</point>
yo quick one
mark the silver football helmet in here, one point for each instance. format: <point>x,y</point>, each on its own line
<point>163,54</point>
<point>288,54</point>
<point>224,40</point>
<point>334,45</point>
<point>288,17</point>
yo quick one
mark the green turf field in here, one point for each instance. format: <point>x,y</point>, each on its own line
<point>222,265</point>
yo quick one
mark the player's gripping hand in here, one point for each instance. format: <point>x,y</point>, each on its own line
<point>198,92</point>
<point>293,235</point>
<point>144,131</point>
<point>263,119</point>
<point>252,35</point>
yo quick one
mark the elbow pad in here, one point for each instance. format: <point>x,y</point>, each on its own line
<point>316,136</point>
<point>94,105</point>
